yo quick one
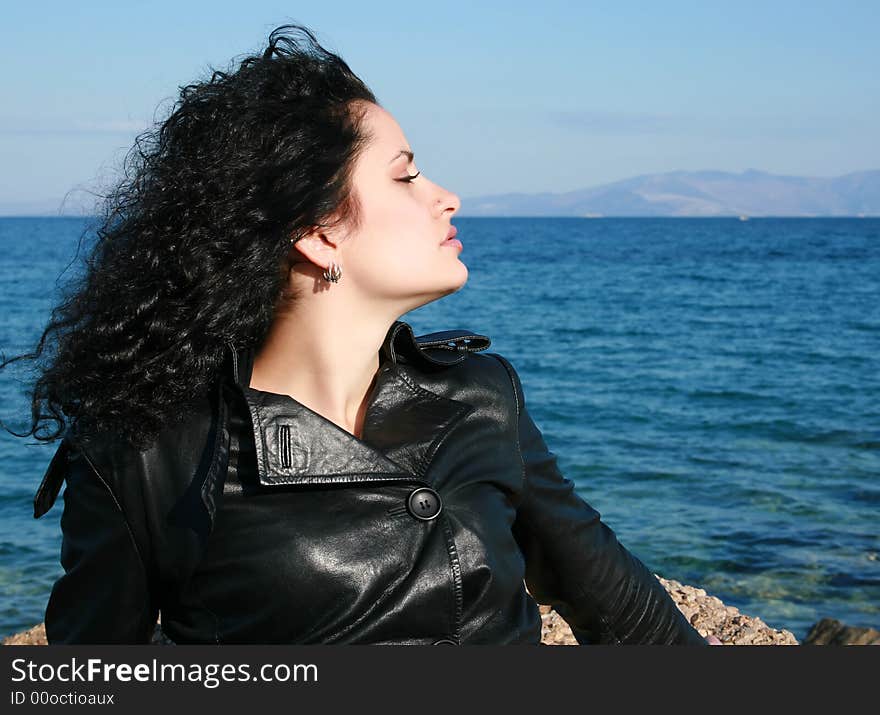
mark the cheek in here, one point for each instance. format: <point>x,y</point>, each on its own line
<point>385,252</point>
<point>400,261</point>
<point>400,239</point>
<point>409,250</point>
<point>405,233</point>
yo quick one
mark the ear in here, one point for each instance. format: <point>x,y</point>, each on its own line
<point>319,247</point>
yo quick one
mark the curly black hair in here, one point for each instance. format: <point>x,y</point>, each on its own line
<point>194,245</point>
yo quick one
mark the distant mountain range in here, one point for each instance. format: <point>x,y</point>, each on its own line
<point>697,193</point>
<point>674,193</point>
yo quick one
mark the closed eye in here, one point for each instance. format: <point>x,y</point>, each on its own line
<point>409,179</point>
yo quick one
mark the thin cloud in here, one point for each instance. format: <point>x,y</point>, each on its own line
<point>42,125</point>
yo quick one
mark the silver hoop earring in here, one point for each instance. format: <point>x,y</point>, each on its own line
<point>333,273</point>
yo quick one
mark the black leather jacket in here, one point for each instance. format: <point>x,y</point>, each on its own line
<point>260,521</point>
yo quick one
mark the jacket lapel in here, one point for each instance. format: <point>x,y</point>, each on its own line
<point>405,422</point>
<point>298,446</point>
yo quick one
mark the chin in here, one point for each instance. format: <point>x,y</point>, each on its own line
<point>451,279</point>
<point>462,277</point>
<point>458,284</point>
<point>452,286</point>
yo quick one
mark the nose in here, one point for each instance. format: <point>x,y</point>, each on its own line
<point>447,200</point>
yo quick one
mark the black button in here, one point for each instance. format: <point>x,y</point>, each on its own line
<point>445,641</point>
<point>423,503</point>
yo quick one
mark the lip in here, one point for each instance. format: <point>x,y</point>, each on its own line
<point>453,231</point>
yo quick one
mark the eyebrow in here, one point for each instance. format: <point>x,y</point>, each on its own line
<point>403,152</point>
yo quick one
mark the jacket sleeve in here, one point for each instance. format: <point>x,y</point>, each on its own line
<point>104,595</point>
<point>575,562</point>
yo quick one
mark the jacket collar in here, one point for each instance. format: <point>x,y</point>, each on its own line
<point>405,422</point>
<point>405,425</point>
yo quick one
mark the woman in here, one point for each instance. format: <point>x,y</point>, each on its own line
<point>258,447</point>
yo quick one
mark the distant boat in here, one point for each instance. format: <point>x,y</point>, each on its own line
<point>743,218</point>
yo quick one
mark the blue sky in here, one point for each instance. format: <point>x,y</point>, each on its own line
<point>493,96</point>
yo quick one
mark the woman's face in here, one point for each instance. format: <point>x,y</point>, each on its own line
<point>396,256</point>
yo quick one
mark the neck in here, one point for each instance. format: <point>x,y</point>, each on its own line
<point>326,362</point>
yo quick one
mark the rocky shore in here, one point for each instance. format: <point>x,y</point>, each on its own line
<point>706,613</point>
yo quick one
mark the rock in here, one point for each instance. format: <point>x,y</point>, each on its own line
<point>708,614</point>
<point>36,635</point>
<point>830,631</point>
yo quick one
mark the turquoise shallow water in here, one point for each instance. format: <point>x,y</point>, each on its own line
<point>711,386</point>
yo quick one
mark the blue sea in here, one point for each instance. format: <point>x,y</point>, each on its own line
<point>712,387</point>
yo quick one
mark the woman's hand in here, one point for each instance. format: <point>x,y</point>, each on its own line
<point>712,640</point>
